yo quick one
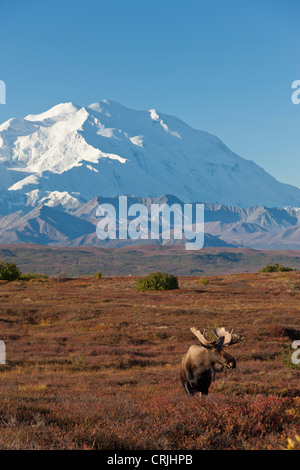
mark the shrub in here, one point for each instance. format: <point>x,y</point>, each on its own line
<point>98,275</point>
<point>9,272</point>
<point>29,276</point>
<point>273,268</point>
<point>204,281</point>
<point>157,281</point>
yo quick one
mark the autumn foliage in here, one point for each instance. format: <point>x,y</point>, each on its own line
<point>94,364</point>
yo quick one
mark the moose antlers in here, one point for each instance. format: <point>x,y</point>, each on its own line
<point>224,338</point>
<point>202,339</point>
<point>229,338</point>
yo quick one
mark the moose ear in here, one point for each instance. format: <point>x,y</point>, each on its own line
<point>219,343</point>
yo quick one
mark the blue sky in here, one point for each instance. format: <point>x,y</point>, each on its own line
<point>223,66</point>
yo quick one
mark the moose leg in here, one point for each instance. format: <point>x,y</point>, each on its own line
<point>187,387</point>
<point>204,382</point>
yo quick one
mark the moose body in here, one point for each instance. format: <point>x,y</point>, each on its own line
<point>202,360</point>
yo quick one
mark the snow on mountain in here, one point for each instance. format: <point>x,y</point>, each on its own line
<point>74,153</point>
<point>54,199</point>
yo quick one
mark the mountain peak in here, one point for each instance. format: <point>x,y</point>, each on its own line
<point>106,148</point>
<point>59,110</point>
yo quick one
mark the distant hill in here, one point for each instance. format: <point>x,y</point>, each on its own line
<point>141,260</point>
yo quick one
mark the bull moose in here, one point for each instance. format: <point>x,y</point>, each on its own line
<point>202,360</point>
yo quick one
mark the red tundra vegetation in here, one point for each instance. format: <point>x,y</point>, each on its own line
<point>94,364</point>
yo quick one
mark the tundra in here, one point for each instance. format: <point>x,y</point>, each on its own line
<point>202,360</point>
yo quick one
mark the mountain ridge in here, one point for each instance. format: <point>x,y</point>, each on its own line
<point>257,227</point>
<point>108,149</point>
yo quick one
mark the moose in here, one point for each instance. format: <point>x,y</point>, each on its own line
<point>202,360</point>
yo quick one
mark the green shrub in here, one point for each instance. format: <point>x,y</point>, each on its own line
<point>157,281</point>
<point>28,276</point>
<point>9,272</point>
<point>204,281</point>
<point>273,268</point>
<point>98,275</point>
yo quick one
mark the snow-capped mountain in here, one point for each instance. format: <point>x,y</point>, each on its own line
<point>71,154</point>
